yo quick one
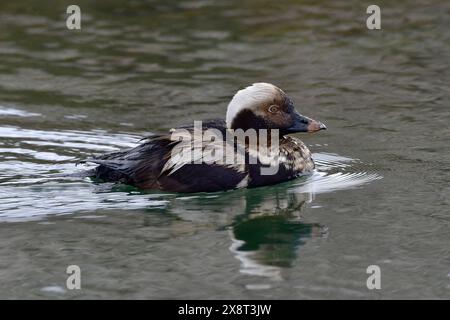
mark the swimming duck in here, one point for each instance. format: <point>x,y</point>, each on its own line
<point>161,161</point>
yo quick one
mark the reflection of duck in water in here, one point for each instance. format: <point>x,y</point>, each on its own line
<point>265,224</point>
<point>267,237</point>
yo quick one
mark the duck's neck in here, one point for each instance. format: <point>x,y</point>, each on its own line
<point>253,138</point>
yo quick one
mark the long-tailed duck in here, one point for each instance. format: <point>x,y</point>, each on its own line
<point>176,161</point>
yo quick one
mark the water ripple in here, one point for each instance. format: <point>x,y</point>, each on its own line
<point>4,111</point>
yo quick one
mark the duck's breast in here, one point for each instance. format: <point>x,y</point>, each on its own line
<point>294,159</point>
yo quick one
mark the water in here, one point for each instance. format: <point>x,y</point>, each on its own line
<point>380,195</point>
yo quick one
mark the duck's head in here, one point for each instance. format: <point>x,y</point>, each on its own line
<point>265,106</point>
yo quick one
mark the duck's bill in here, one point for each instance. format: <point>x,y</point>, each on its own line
<point>314,126</point>
<point>305,124</point>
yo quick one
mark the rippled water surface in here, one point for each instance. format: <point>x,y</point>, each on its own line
<point>380,195</point>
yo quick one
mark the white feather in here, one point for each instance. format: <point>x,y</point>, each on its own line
<point>183,152</point>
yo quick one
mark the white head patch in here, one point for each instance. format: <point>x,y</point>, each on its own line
<point>250,98</point>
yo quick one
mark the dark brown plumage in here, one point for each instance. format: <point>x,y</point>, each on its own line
<point>157,163</point>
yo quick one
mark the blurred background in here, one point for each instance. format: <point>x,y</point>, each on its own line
<point>380,195</point>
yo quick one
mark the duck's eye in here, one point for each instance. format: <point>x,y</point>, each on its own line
<point>273,109</point>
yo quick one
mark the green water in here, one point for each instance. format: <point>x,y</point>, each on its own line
<point>380,195</point>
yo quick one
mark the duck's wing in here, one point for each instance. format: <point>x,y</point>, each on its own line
<point>193,169</point>
<point>168,162</point>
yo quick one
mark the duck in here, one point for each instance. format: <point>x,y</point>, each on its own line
<point>176,161</point>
